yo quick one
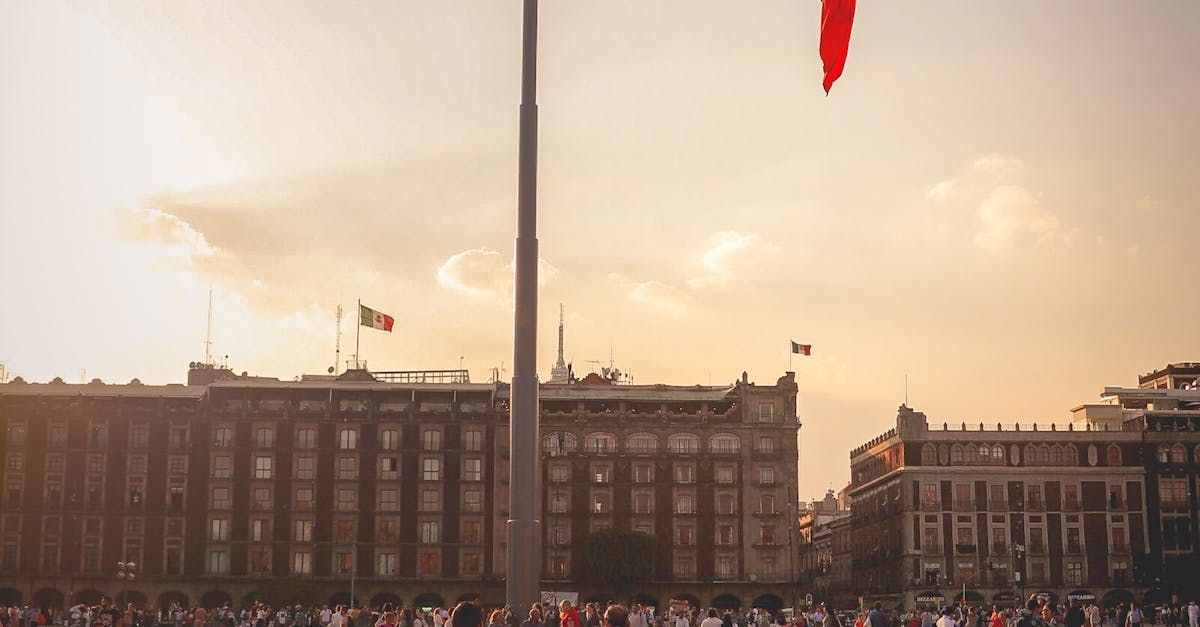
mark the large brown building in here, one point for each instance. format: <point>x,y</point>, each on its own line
<point>394,485</point>
<point>1102,508</point>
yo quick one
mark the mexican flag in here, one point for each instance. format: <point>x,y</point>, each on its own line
<point>801,349</point>
<point>368,317</point>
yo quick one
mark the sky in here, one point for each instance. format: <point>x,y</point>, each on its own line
<point>998,199</point>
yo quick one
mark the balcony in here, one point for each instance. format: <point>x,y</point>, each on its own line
<point>966,549</point>
<point>1116,505</point>
<point>1074,548</point>
<point>1035,505</point>
<point>1037,548</point>
<point>930,506</point>
<point>997,505</point>
<point>1119,547</point>
<point>1071,505</point>
<point>931,548</point>
<point>999,548</point>
<point>964,506</point>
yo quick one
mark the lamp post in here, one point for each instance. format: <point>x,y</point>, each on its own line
<point>126,572</point>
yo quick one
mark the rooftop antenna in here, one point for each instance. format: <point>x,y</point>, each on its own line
<point>208,332</point>
<point>337,350</point>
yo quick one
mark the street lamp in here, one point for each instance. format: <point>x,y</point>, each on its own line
<point>126,571</point>
<point>1018,551</point>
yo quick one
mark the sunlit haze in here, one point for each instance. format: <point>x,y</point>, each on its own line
<point>998,199</point>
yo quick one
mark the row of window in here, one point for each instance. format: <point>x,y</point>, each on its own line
<point>1033,497</point>
<point>996,454</point>
<point>644,473</point>
<point>562,443</point>
<point>346,499</point>
<point>965,540</point>
<point>97,435</point>
<point>1174,454</point>
<point>346,467</point>
<point>600,502</point>
<point>1035,572</point>
<point>725,567</point>
<point>387,562</point>
<point>305,437</point>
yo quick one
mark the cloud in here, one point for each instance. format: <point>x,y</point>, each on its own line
<point>657,297</point>
<point>153,227</point>
<point>942,190</point>
<point>1010,211</point>
<point>485,274</point>
<point>729,254</point>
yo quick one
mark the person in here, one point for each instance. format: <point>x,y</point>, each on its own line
<point>568,615</point>
<point>466,615</point>
<point>1134,617</point>
<point>616,616</point>
<point>1193,614</point>
<point>1075,616</point>
<point>712,620</point>
<point>877,617</point>
<point>947,618</point>
<point>535,618</point>
<point>681,619</point>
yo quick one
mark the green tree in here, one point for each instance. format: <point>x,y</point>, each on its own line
<point>619,559</point>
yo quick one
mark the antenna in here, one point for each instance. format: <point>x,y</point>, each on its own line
<point>337,350</point>
<point>208,333</point>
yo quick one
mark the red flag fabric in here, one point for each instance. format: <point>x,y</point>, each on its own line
<point>837,17</point>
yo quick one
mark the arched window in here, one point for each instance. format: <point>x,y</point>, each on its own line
<point>558,443</point>
<point>956,454</point>
<point>642,443</point>
<point>1113,457</point>
<point>600,443</point>
<point>724,443</point>
<point>684,443</point>
<point>969,455</point>
<point>1044,454</point>
<point>1056,455</point>
<point>998,454</point>
<point>985,454</point>
<point>1163,453</point>
<point>928,455</point>
<point>1178,454</point>
<point>348,438</point>
<point>1031,455</point>
<point>1071,455</point>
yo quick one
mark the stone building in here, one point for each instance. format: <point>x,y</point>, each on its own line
<point>1104,507</point>
<point>391,486</point>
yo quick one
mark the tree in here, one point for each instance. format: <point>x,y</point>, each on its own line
<point>619,559</point>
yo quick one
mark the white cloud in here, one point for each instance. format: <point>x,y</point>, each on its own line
<point>658,297</point>
<point>485,274</point>
<point>174,236</point>
<point>1010,211</point>
<point>730,254</point>
<point>941,191</point>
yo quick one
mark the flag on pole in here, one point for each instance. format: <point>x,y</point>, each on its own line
<point>837,17</point>
<point>368,317</point>
<point>801,349</point>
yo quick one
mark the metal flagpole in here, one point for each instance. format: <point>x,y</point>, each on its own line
<point>524,536</point>
<point>357,333</point>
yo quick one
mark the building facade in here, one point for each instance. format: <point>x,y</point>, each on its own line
<point>1104,508</point>
<point>998,513</point>
<point>388,487</point>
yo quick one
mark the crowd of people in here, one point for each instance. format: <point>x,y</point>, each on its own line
<point>1037,612</point>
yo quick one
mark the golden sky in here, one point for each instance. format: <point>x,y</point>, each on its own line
<point>998,198</point>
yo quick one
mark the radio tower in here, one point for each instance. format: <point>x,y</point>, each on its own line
<point>208,333</point>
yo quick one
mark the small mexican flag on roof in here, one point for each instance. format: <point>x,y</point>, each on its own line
<point>368,317</point>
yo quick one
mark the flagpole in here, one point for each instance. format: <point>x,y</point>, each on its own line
<point>523,563</point>
<point>358,314</point>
